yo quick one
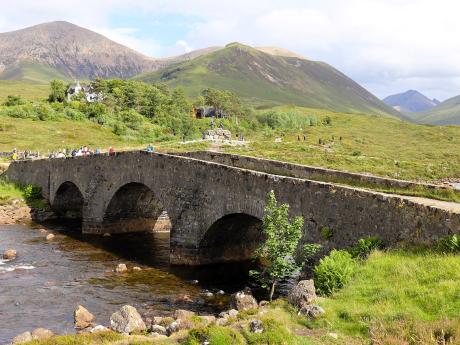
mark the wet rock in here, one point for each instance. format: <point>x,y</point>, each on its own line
<point>136,268</point>
<point>22,338</point>
<point>302,294</point>
<point>98,328</point>
<point>158,329</point>
<point>121,268</point>
<point>256,326</point>
<point>194,282</point>
<point>208,294</point>
<point>41,334</point>
<point>243,300</point>
<point>107,234</point>
<point>127,320</point>
<point>220,292</point>
<point>10,254</point>
<point>183,298</point>
<point>83,318</point>
<point>207,319</point>
<point>43,231</point>
<point>312,311</point>
<point>49,237</point>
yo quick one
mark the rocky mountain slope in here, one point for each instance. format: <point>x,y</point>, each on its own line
<point>271,76</point>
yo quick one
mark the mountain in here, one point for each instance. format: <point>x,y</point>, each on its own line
<point>446,113</point>
<point>410,102</point>
<point>271,76</point>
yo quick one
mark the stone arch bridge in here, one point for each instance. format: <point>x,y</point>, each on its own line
<point>216,209</point>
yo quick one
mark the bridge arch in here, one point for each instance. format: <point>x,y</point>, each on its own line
<point>68,201</point>
<point>133,207</point>
<point>233,237</point>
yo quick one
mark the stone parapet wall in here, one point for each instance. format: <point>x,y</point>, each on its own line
<point>301,171</point>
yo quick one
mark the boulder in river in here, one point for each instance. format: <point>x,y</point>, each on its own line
<point>49,237</point>
<point>183,298</point>
<point>243,300</point>
<point>10,254</point>
<point>121,268</point>
<point>127,320</point>
<point>137,268</point>
<point>302,294</point>
<point>41,334</point>
<point>22,338</point>
<point>83,318</point>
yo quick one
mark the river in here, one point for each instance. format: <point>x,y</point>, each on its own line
<point>42,287</point>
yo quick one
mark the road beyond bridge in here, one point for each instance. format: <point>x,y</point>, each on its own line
<point>216,209</point>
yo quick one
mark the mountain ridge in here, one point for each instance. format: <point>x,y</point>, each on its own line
<point>410,101</point>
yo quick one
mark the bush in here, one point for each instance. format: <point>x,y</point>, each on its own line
<point>13,100</point>
<point>334,271</point>
<point>365,246</point>
<point>449,244</point>
<point>74,114</point>
<point>327,233</point>
<point>119,128</point>
<point>215,335</point>
<point>32,192</point>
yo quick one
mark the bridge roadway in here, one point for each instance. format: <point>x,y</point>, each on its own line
<point>216,209</point>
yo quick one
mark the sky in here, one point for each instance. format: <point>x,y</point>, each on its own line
<point>388,46</point>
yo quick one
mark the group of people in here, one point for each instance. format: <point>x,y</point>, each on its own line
<point>82,151</point>
<point>26,154</point>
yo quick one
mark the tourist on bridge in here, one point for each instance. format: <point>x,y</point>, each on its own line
<point>150,148</point>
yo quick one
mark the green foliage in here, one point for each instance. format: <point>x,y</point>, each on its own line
<point>32,192</point>
<point>327,233</point>
<point>449,244</point>
<point>365,246</point>
<point>214,335</point>
<point>333,272</point>
<point>58,91</point>
<point>277,252</point>
<point>13,100</point>
<point>223,101</point>
<point>285,120</point>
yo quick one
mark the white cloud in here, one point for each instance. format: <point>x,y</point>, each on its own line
<point>387,45</point>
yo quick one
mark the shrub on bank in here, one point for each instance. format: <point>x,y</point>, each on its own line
<point>334,271</point>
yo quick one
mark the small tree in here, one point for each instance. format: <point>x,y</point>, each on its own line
<point>279,253</point>
<point>58,91</point>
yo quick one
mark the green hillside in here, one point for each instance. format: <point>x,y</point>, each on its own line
<point>28,90</point>
<point>32,72</point>
<point>270,80</point>
<point>446,113</point>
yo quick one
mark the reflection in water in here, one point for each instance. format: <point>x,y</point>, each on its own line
<point>42,287</point>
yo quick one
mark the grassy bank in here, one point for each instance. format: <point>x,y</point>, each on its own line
<point>396,297</point>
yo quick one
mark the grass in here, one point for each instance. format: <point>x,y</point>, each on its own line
<point>25,89</point>
<point>9,192</point>
<point>394,290</point>
<point>376,145</point>
<point>28,194</point>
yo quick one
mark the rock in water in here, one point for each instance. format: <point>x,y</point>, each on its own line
<point>121,268</point>
<point>10,254</point>
<point>243,300</point>
<point>41,334</point>
<point>22,338</point>
<point>127,320</point>
<point>302,294</point>
<point>83,318</point>
<point>49,237</point>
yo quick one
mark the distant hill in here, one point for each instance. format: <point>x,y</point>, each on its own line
<point>66,51</point>
<point>410,102</point>
<point>271,76</point>
<point>446,113</point>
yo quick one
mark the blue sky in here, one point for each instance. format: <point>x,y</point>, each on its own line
<point>387,46</point>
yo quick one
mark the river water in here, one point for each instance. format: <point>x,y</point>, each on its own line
<point>42,287</point>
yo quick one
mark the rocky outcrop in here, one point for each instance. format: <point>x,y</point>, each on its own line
<point>83,318</point>
<point>302,294</point>
<point>312,311</point>
<point>217,134</point>
<point>243,300</point>
<point>121,268</point>
<point>127,320</point>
